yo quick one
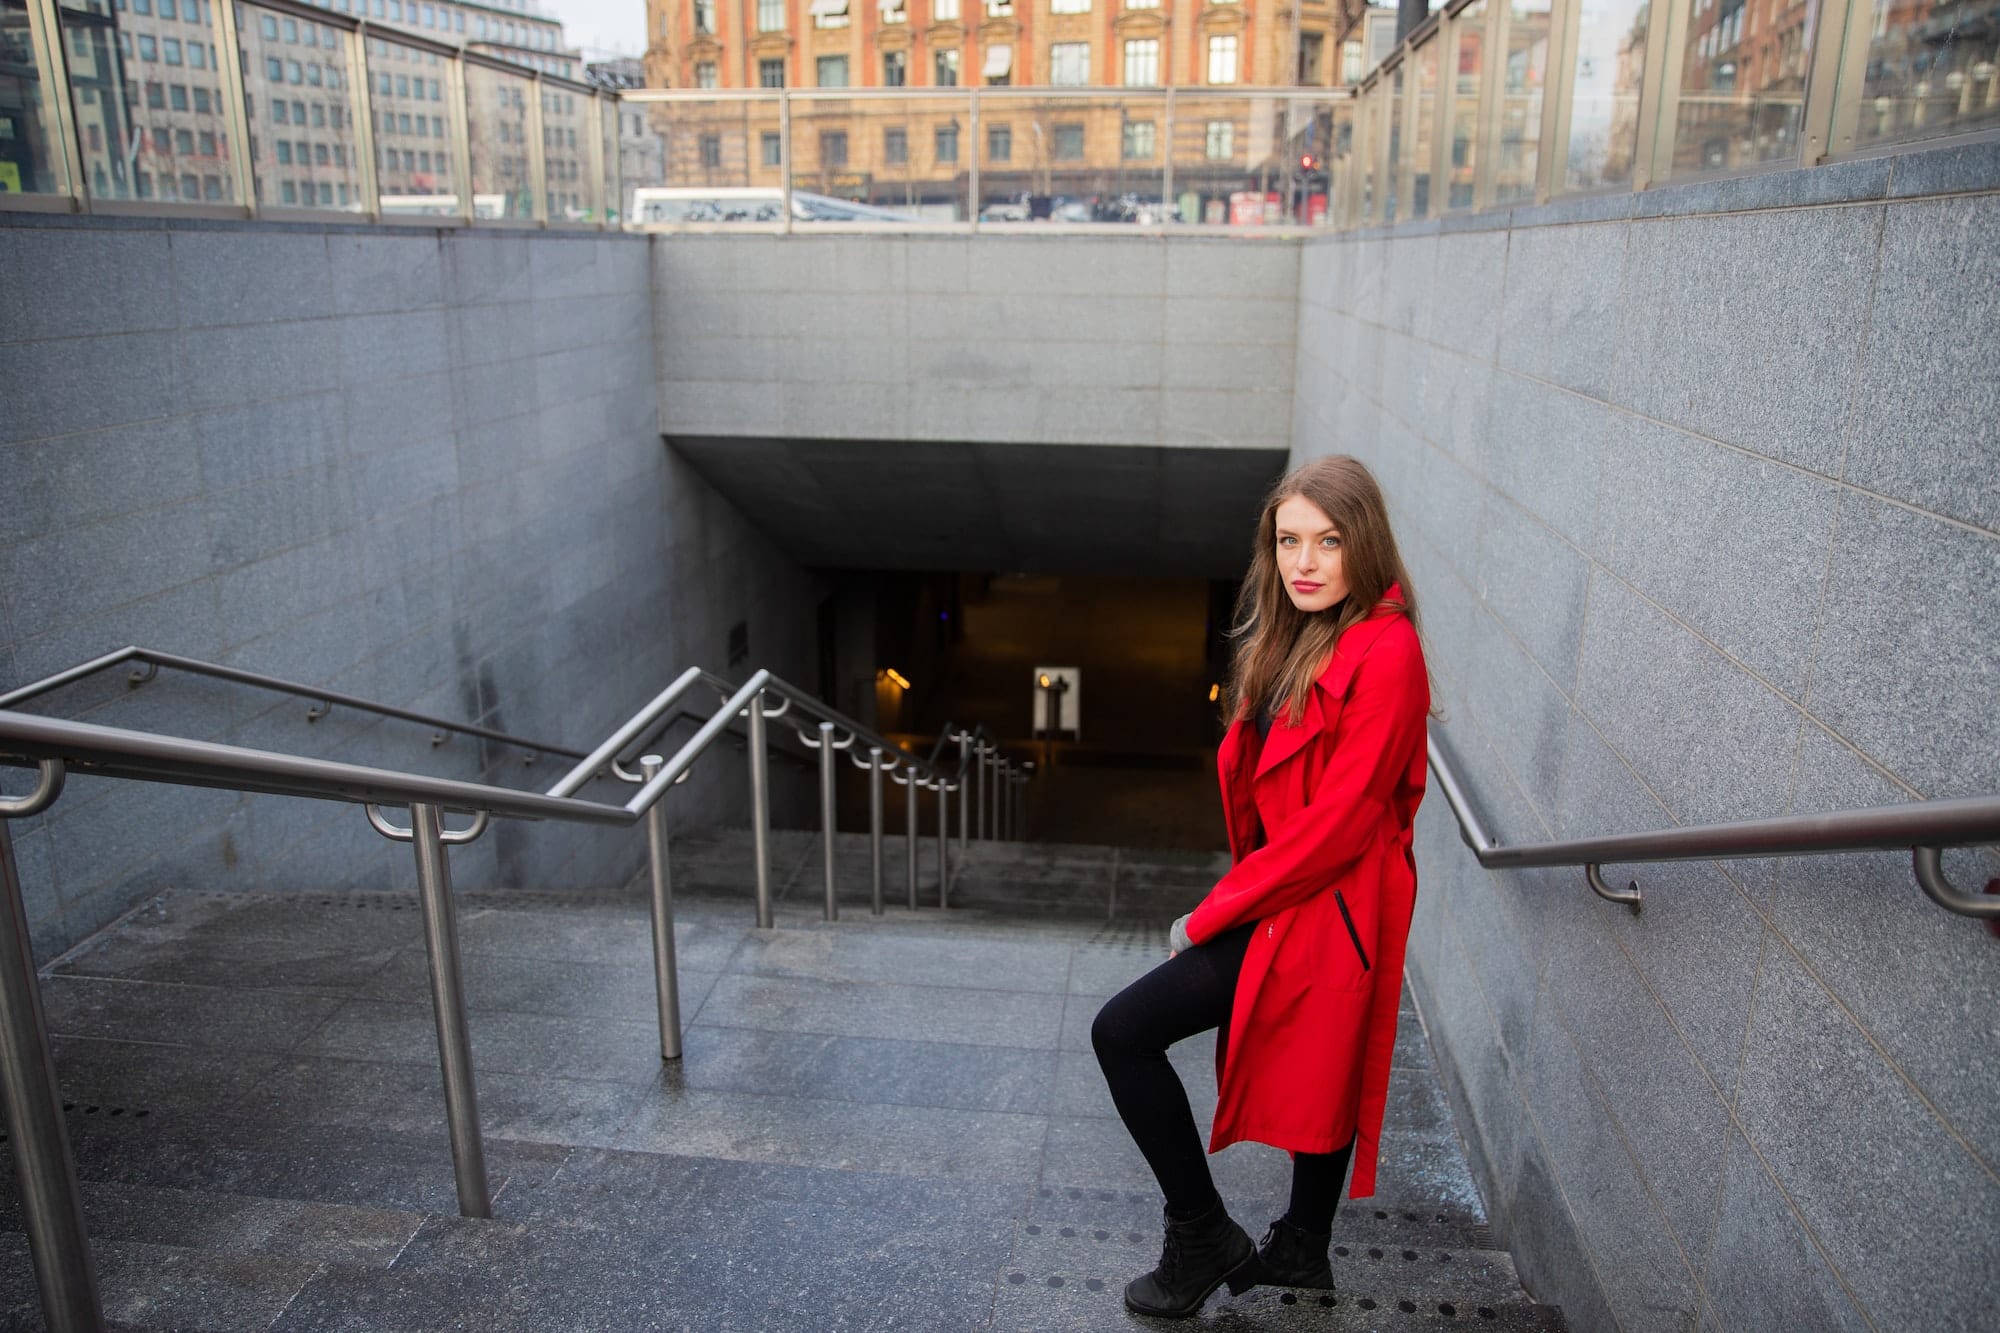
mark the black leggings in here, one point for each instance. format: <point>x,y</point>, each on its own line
<point>1191,993</point>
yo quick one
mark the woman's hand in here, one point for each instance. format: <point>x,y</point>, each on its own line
<point>1177,937</point>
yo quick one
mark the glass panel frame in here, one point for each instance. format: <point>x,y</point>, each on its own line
<point>310,161</point>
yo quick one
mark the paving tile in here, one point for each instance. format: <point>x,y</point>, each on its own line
<point>872,956</point>
<point>249,962</point>
<point>979,1145</point>
<point>162,1286</point>
<point>503,1041</point>
<point>875,1070</point>
<point>912,1013</point>
<point>203,1016</point>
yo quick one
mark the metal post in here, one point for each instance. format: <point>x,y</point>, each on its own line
<point>875,821</point>
<point>964,744</point>
<point>461,1099</point>
<point>51,1213</point>
<point>666,979</point>
<point>993,792</point>
<point>1007,805</point>
<point>944,844</point>
<point>979,793</point>
<point>910,830</point>
<point>826,812</point>
<point>760,809</point>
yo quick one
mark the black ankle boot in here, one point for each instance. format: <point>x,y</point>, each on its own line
<point>1199,1255</point>
<point>1290,1256</point>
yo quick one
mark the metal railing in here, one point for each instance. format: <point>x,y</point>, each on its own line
<point>1925,827</point>
<point>999,785</point>
<point>29,1093</point>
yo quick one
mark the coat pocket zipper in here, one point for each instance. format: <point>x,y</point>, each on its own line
<point>1352,933</point>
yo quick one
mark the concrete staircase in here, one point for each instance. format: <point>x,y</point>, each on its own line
<point>884,1123</point>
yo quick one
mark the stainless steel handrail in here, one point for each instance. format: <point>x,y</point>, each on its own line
<point>155,659</point>
<point>52,1217</point>
<point>1924,827</point>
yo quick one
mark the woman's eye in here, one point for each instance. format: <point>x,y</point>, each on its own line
<point>1331,543</point>
<point>1288,541</point>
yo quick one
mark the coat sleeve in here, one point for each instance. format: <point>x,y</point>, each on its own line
<point>1382,718</point>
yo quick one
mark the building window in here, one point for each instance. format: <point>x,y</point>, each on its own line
<point>1069,64</point>
<point>1350,62</point>
<point>184,143</point>
<point>773,148</point>
<point>1142,4</point>
<point>896,147</point>
<point>832,71</point>
<point>1222,58</point>
<point>704,74</point>
<point>284,153</point>
<point>170,51</point>
<point>711,150</point>
<point>946,142</point>
<point>893,11</point>
<point>1069,6</point>
<point>999,9</point>
<point>999,67</point>
<point>829,14</point>
<point>944,11</point>
<point>770,16</point>
<point>1000,143</point>
<point>895,65</point>
<point>704,17</point>
<point>833,148</point>
<point>770,74</point>
<point>149,49</point>
<point>945,69</point>
<point>1310,46</point>
<point>1069,143</point>
<point>1139,140</point>
<point>177,97</point>
<point>1142,62</point>
<point>1221,140</point>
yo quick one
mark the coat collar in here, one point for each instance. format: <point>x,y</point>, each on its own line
<point>1285,741</point>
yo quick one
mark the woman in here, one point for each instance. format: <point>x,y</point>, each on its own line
<point>1296,956</point>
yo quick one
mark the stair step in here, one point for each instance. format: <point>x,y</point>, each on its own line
<point>143,1285</point>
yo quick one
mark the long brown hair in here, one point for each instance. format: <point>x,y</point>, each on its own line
<point>1281,649</point>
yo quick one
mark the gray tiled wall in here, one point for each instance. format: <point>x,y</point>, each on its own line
<point>422,467</point>
<point>993,339</point>
<point>1701,512</point>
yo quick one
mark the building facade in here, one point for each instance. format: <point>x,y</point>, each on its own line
<point>951,43</point>
<point>1064,149</point>
<point>154,122</point>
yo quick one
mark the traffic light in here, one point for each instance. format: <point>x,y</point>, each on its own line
<point>1307,162</point>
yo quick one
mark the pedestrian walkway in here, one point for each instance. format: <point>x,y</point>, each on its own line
<point>883,1123</point>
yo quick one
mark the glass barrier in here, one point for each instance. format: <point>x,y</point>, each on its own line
<point>1468,70</point>
<point>30,150</point>
<point>1742,85</point>
<point>145,84</point>
<point>889,160</point>
<point>1932,68</point>
<point>1523,81</point>
<point>412,111</point>
<point>500,109</point>
<point>1420,138</point>
<point>297,91</point>
<point>1393,114</point>
<point>644,132</point>
<point>571,188</point>
<point>1055,158</point>
<point>610,198</point>
<point>1604,107</point>
<point>1252,161</point>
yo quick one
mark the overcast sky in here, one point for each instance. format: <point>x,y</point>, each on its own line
<point>601,27</point>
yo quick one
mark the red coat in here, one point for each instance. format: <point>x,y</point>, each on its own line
<point>1319,821</point>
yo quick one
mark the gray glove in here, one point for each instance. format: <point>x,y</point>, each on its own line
<point>1177,936</point>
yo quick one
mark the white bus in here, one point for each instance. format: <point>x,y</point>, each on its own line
<point>663,206</point>
<point>484,206</point>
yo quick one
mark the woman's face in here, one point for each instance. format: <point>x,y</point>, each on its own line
<point>1309,556</point>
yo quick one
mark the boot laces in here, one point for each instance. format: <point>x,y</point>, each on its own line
<point>1171,1254</point>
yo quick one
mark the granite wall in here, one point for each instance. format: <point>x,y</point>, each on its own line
<point>418,466</point>
<point>1058,339</point>
<point>1700,490</point>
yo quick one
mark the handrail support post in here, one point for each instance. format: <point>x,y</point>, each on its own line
<point>51,1211</point>
<point>760,808</point>
<point>875,822</point>
<point>461,1099</point>
<point>827,758</point>
<point>666,975</point>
